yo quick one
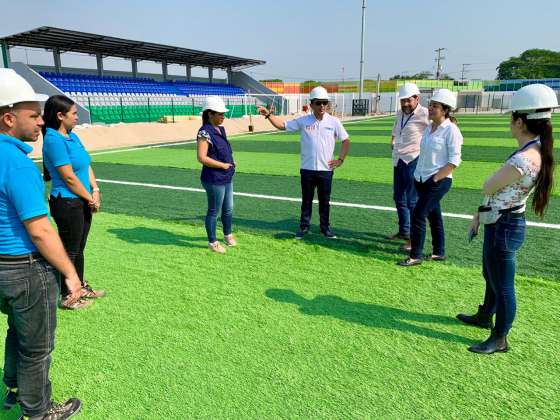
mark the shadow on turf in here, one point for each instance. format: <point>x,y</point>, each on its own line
<point>369,315</point>
<point>144,235</point>
<point>347,240</point>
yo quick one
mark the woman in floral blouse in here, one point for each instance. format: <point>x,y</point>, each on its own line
<point>528,169</point>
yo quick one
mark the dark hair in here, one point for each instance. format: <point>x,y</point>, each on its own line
<point>206,117</point>
<point>54,105</point>
<point>545,180</point>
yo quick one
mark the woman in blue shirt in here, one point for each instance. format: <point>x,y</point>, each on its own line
<point>74,194</point>
<point>215,154</point>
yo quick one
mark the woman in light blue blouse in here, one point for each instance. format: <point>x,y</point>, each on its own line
<point>74,194</point>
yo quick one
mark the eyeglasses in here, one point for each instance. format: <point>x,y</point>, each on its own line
<point>319,103</point>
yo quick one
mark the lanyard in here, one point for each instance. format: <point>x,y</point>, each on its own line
<point>524,148</point>
<point>403,125</point>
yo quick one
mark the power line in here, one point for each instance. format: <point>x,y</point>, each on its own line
<point>439,59</point>
<point>463,70</point>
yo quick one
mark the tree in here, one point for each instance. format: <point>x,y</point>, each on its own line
<point>418,76</point>
<point>531,64</point>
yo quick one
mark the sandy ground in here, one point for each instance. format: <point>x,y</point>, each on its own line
<point>103,137</point>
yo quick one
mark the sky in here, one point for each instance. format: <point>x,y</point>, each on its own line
<point>305,39</point>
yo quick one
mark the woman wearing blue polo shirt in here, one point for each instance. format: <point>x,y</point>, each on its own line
<point>215,154</point>
<point>74,193</point>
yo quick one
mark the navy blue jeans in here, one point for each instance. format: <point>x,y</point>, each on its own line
<point>28,295</point>
<point>404,193</point>
<point>220,199</point>
<point>501,242</point>
<point>430,194</point>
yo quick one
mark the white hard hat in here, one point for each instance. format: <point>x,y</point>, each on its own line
<point>407,90</point>
<point>215,103</point>
<point>319,92</point>
<point>446,97</point>
<point>532,97</point>
<point>15,89</point>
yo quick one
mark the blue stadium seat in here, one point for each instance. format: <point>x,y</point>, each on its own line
<point>120,85</point>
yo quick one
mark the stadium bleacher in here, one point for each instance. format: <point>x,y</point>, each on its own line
<point>112,99</point>
<point>86,83</point>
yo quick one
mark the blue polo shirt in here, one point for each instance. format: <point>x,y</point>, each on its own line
<point>59,150</point>
<point>219,149</point>
<point>22,196</point>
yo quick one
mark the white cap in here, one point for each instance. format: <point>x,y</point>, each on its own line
<point>15,89</point>
<point>215,103</point>
<point>407,90</point>
<point>532,97</point>
<point>319,92</point>
<point>446,97</point>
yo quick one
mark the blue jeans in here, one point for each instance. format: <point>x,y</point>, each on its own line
<point>220,197</point>
<point>404,193</point>
<point>28,295</point>
<point>501,242</point>
<point>430,194</point>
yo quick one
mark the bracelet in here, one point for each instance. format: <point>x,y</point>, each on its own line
<point>96,190</point>
<point>342,160</point>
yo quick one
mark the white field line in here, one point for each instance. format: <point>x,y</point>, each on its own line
<point>298,200</point>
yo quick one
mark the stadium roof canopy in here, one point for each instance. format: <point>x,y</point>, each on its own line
<point>64,40</point>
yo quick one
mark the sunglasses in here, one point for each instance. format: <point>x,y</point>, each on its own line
<point>319,103</point>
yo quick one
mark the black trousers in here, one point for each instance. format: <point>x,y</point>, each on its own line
<point>73,218</point>
<point>322,180</point>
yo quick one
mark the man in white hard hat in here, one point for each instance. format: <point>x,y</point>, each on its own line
<point>29,249</point>
<point>319,131</point>
<point>410,122</point>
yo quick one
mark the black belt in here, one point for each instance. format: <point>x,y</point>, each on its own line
<point>511,210</point>
<point>20,259</point>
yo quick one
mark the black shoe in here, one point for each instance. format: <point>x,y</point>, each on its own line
<point>328,234</point>
<point>11,398</point>
<point>301,233</point>
<point>480,319</point>
<point>398,237</point>
<point>493,344</point>
<point>61,411</point>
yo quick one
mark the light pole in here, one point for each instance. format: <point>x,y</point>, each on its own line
<point>362,50</point>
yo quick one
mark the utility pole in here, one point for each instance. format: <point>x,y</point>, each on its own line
<point>377,97</point>
<point>362,50</point>
<point>439,59</point>
<point>464,71</point>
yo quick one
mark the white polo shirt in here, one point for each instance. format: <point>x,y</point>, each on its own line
<point>437,149</point>
<point>317,139</point>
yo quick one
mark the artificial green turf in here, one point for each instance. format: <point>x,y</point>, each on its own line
<point>313,329</point>
<point>326,334</point>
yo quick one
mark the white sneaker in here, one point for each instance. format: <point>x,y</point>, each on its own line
<point>230,240</point>
<point>217,247</point>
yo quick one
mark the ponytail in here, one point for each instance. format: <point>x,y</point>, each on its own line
<point>545,179</point>
<point>448,115</point>
<point>206,117</point>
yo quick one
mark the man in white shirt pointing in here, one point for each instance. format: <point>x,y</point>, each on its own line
<point>410,123</point>
<point>319,131</point>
